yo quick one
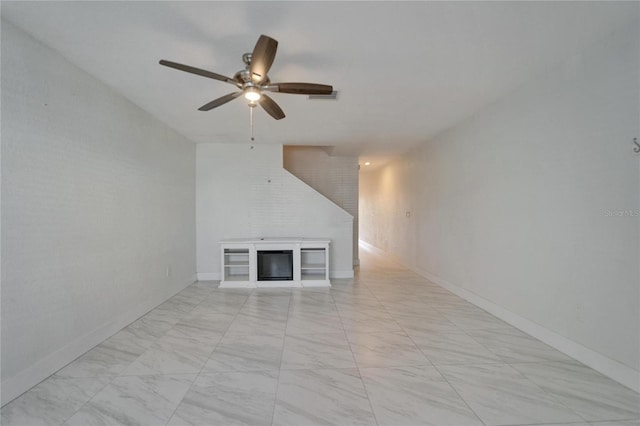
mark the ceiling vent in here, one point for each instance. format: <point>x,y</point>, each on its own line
<point>333,96</point>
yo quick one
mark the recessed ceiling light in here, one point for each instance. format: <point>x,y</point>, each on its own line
<point>367,163</point>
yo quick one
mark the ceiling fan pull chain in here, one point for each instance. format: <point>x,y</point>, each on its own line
<point>251,120</point>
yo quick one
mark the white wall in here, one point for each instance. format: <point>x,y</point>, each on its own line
<point>244,192</point>
<point>511,208</point>
<point>98,200</point>
<point>334,176</point>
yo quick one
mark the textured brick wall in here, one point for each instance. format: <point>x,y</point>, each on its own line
<point>98,204</point>
<point>335,177</point>
<point>244,192</point>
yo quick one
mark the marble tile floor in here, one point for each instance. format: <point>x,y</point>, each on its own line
<point>385,348</point>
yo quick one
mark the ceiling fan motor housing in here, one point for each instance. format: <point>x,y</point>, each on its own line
<point>243,76</point>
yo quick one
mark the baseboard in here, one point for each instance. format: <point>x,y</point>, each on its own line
<point>615,370</point>
<point>341,274</point>
<point>215,276</point>
<point>373,249</point>
<point>208,276</point>
<point>15,386</point>
<point>379,252</point>
<point>611,368</point>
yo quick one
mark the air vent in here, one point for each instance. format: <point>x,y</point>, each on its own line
<point>332,96</point>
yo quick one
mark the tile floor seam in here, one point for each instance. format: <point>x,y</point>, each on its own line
<point>86,402</point>
<point>205,363</point>
<point>275,396</point>
<point>544,391</point>
<point>364,386</point>
<point>376,295</point>
<point>487,348</point>
<point>559,400</point>
<point>450,385</point>
<point>112,377</point>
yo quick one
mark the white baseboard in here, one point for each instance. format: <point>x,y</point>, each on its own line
<point>373,249</point>
<point>215,276</point>
<point>15,386</point>
<point>340,274</point>
<point>316,284</point>
<point>611,368</point>
<point>208,276</point>
<point>236,284</point>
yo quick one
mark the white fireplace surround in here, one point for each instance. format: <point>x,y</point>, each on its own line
<point>239,264</point>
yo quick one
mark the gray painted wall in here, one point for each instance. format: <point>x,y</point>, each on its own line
<point>533,204</point>
<point>98,212</point>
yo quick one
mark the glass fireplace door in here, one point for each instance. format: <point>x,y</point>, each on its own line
<point>275,265</point>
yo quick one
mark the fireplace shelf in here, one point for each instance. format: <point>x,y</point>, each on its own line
<point>235,264</point>
<point>308,264</point>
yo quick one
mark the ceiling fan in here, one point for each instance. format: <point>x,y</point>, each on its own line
<point>253,80</point>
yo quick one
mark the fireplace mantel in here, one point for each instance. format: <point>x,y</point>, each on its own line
<point>239,264</point>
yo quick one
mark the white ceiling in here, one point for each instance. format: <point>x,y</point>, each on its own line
<point>405,71</point>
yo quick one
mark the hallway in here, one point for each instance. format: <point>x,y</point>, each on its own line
<point>386,348</point>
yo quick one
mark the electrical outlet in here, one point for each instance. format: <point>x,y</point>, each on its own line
<point>407,213</point>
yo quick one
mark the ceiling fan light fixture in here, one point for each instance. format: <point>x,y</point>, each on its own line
<point>252,94</point>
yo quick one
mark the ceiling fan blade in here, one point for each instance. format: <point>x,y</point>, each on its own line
<point>220,101</point>
<point>198,71</point>
<point>262,58</point>
<point>300,88</point>
<point>271,107</point>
